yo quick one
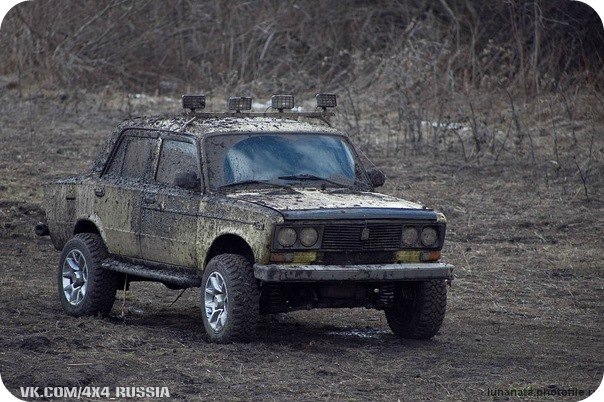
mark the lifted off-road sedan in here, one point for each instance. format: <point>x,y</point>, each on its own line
<point>265,212</point>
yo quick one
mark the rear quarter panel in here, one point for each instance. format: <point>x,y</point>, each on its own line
<point>65,202</point>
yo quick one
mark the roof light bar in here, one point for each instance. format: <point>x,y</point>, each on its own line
<point>326,100</point>
<point>239,103</point>
<point>281,102</point>
<point>193,102</point>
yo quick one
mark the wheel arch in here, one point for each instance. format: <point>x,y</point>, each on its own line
<point>88,225</point>
<point>229,243</point>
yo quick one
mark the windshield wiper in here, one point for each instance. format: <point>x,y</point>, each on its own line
<point>243,182</point>
<point>311,177</point>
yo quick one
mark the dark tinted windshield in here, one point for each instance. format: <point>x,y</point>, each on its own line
<point>281,158</point>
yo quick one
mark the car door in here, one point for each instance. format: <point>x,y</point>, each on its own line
<point>169,212</point>
<point>117,199</point>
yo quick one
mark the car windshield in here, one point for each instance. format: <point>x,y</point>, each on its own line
<point>281,159</point>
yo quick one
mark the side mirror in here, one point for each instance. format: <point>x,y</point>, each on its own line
<point>187,180</point>
<point>376,177</point>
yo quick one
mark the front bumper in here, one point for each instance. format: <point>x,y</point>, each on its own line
<point>373,272</point>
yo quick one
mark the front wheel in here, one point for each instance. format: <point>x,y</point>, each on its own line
<point>419,309</point>
<point>85,288</point>
<point>230,299</point>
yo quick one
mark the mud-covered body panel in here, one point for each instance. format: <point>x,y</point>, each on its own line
<point>169,221</point>
<point>181,234</point>
<point>221,215</point>
<point>374,272</point>
<point>150,221</point>
<point>64,206</point>
<point>312,198</point>
<point>312,203</point>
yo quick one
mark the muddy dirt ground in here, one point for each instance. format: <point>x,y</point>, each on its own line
<point>525,310</point>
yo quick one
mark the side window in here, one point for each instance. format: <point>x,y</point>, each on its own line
<point>137,157</point>
<point>132,158</point>
<point>175,158</point>
<point>115,169</point>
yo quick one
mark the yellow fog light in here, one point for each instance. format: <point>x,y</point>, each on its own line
<point>305,257</point>
<point>407,256</point>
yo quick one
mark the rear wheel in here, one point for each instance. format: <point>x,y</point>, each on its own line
<point>419,309</point>
<point>229,299</point>
<point>84,287</point>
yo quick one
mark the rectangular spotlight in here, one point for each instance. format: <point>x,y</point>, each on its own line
<point>239,103</point>
<point>281,102</point>
<point>193,102</point>
<point>326,100</point>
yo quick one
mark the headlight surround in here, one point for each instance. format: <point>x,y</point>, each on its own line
<point>309,237</point>
<point>410,236</point>
<point>297,236</point>
<point>429,236</point>
<point>287,237</point>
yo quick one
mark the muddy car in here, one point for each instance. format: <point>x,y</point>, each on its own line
<point>266,212</point>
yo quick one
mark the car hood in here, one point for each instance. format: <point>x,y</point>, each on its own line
<point>335,204</point>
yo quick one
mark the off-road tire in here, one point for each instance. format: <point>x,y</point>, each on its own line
<point>419,311</point>
<point>243,309</point>
<point>101,283</point>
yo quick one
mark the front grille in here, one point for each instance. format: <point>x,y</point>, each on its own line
<point>382,236</point>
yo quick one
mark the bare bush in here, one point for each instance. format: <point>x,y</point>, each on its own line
<point>142,44</point>
<point>477,80</point>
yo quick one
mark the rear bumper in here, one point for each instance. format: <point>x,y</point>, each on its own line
<point>374,272</point>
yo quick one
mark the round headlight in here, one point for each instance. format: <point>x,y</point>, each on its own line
<point>308,237</point>
<point>287,237</point>
<point>429,236</point>
<point>410,236</point>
